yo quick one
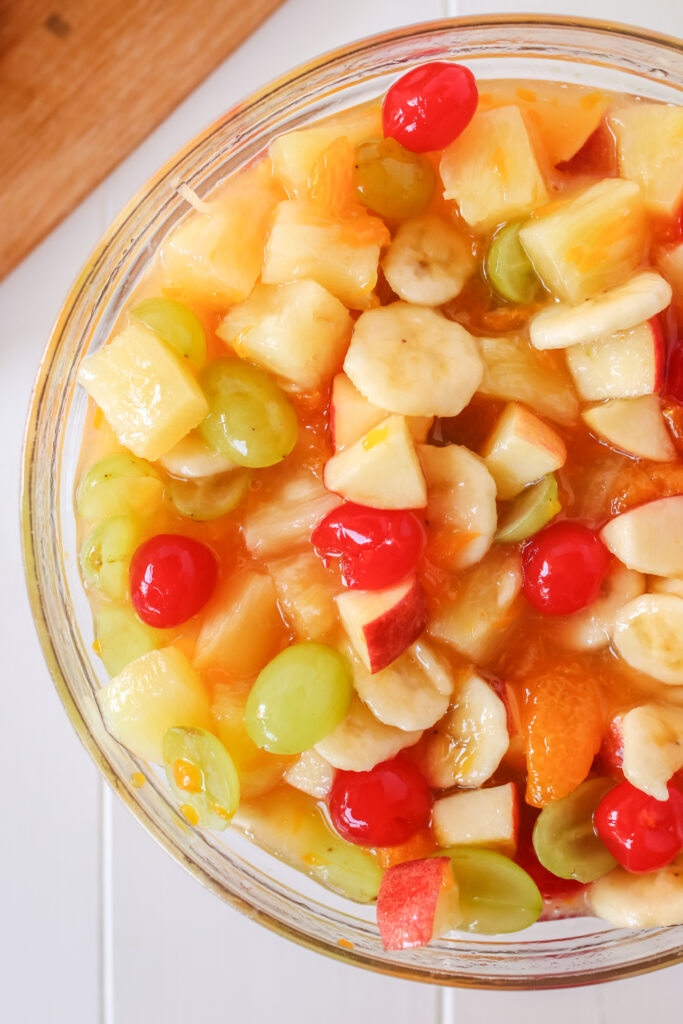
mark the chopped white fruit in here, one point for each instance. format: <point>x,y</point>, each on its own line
<point>306,242</point>
<point>515,371</point>
<point>476,621</point>
<point>521,449</point>
<point>312,774</point>
<point>650,151</point>
<point>351,415</point>
<point>590,243</point>
<point>428,261</point>
<point>241,626</point>
<point>648,635</point>
<point>306,594</point>
<point>491,170</point>
<point>649,538</point>
<point>298,331</point>
<point>147,395</point>
<point>627,364</point>
<point>670,263</point>
<point>192,459</point>
<point>289,518</point>
<point>461,500</point>
<point>382,624</point>
<point>412,693</point>
<point>360,741</point>
<point>466,747</point>
<point>665,585</point>
<point>412,360</point>
<point>651,900</point>
<point>634,425</point>
<point>593,627</point>
<point>652,741</point>
<point>153,694</point>
<point>479,817</point>
<point>380,470</point>
<point>619,309</point>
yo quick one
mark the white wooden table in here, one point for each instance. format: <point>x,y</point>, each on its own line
<point>97,924</point>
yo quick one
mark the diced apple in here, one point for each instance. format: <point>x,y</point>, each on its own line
<point>521,449</point>
<point>649,538</point>
<point>590,242</point>
<point>360,741</point>
<point>153,694</point>
<point>634,425</point>
<point>652,747</point>
<point>491,170</point>
<point>461,501</point>
<point>417,902</point>
<point>650,152</point>
<point>288,519</point>
<point>380,470</point>
<point>479,817</point>
<point>242,625</point>
<point>148,397</point>
<point>306,242</point>
<point>352,415</point>
<point>670,263</point>
<point>411,693</point>
<point>312,774</point>
<point>306,593</point>
<point>382,624</point>
<point>297,331</point>
<point>623,365</point>
<point>517,372</point>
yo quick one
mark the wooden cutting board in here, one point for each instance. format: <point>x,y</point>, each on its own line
<point>82,82</point>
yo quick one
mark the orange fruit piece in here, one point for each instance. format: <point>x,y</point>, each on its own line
<point>418,846</point>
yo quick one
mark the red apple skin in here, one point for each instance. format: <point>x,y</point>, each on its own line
<point>388,636</point>
<point>659,351</point>
<point>610,757</point>
<point>509,699</point>
<point>407,901</point>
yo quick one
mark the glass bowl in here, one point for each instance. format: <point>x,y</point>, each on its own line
<point>559,953</point>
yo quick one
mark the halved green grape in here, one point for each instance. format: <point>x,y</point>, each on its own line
<point>496,895</point>
<point>508,267</point>
<point>298,698</point>
<point>289,825</point>
<point>392,181</point>
<point>208,499</point>
<point>106,554</point>
<point>250,420</point>
<point>176,324</point>
<point>529,512</point>
<point>202,775</point>
<point>564,839</point>
<point>120,637</point>
<point>118,485</point>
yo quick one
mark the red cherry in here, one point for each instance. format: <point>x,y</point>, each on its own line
<point>430,106</point>
<point>642,833</point>
<point>563,568</point>
<point>382,807</point>
<point>377,548</point>
<point>171,579</point>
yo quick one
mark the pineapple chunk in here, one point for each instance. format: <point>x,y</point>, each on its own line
<point>312,774</point>
<point>297,331</point>
<point>516,371</point>
<point>146,393</point>
<point>589,243</point>
<point>650,152</point>
<point>153,694</point>
<point>288,519</point>
<point>306,593</point>
<point>306,242</point>
<point>352,415</point>
<point>491,170</point>
<point>242,625</point>
<point>521,449</point>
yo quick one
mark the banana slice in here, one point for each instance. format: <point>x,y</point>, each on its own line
<point>630,304</point>
<point>648,634</point>
<point>428,261</point>
<point>361,742</point>
<point>592,628</point>
<point>665,585</point>
<point>312,774</point>
<point>412,360</point>
<point>640,901</point>
<point>652,739</point>
<point>412,693</point>
<point>192,459</point>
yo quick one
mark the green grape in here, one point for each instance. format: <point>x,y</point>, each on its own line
<point>298,698</point>
<point>202,775</point>
<point>176,324</point>
<point>250,420</point>
<point>120,637</point>
<point>529,512</point>
<point>106,554</point>
<point>564,839</point>
<point>117,485</point>
<point>496,895</point>
<point>508,267</point>
<point>289,825</point>
<point>210,498</point>
<point>392,181</point>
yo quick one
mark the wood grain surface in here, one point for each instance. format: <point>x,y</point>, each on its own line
<point>83,81</point>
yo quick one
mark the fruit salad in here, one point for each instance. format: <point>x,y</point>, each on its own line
<point>380,506</point>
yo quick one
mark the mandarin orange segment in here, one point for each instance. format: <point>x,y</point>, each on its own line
<point>418,846</point>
